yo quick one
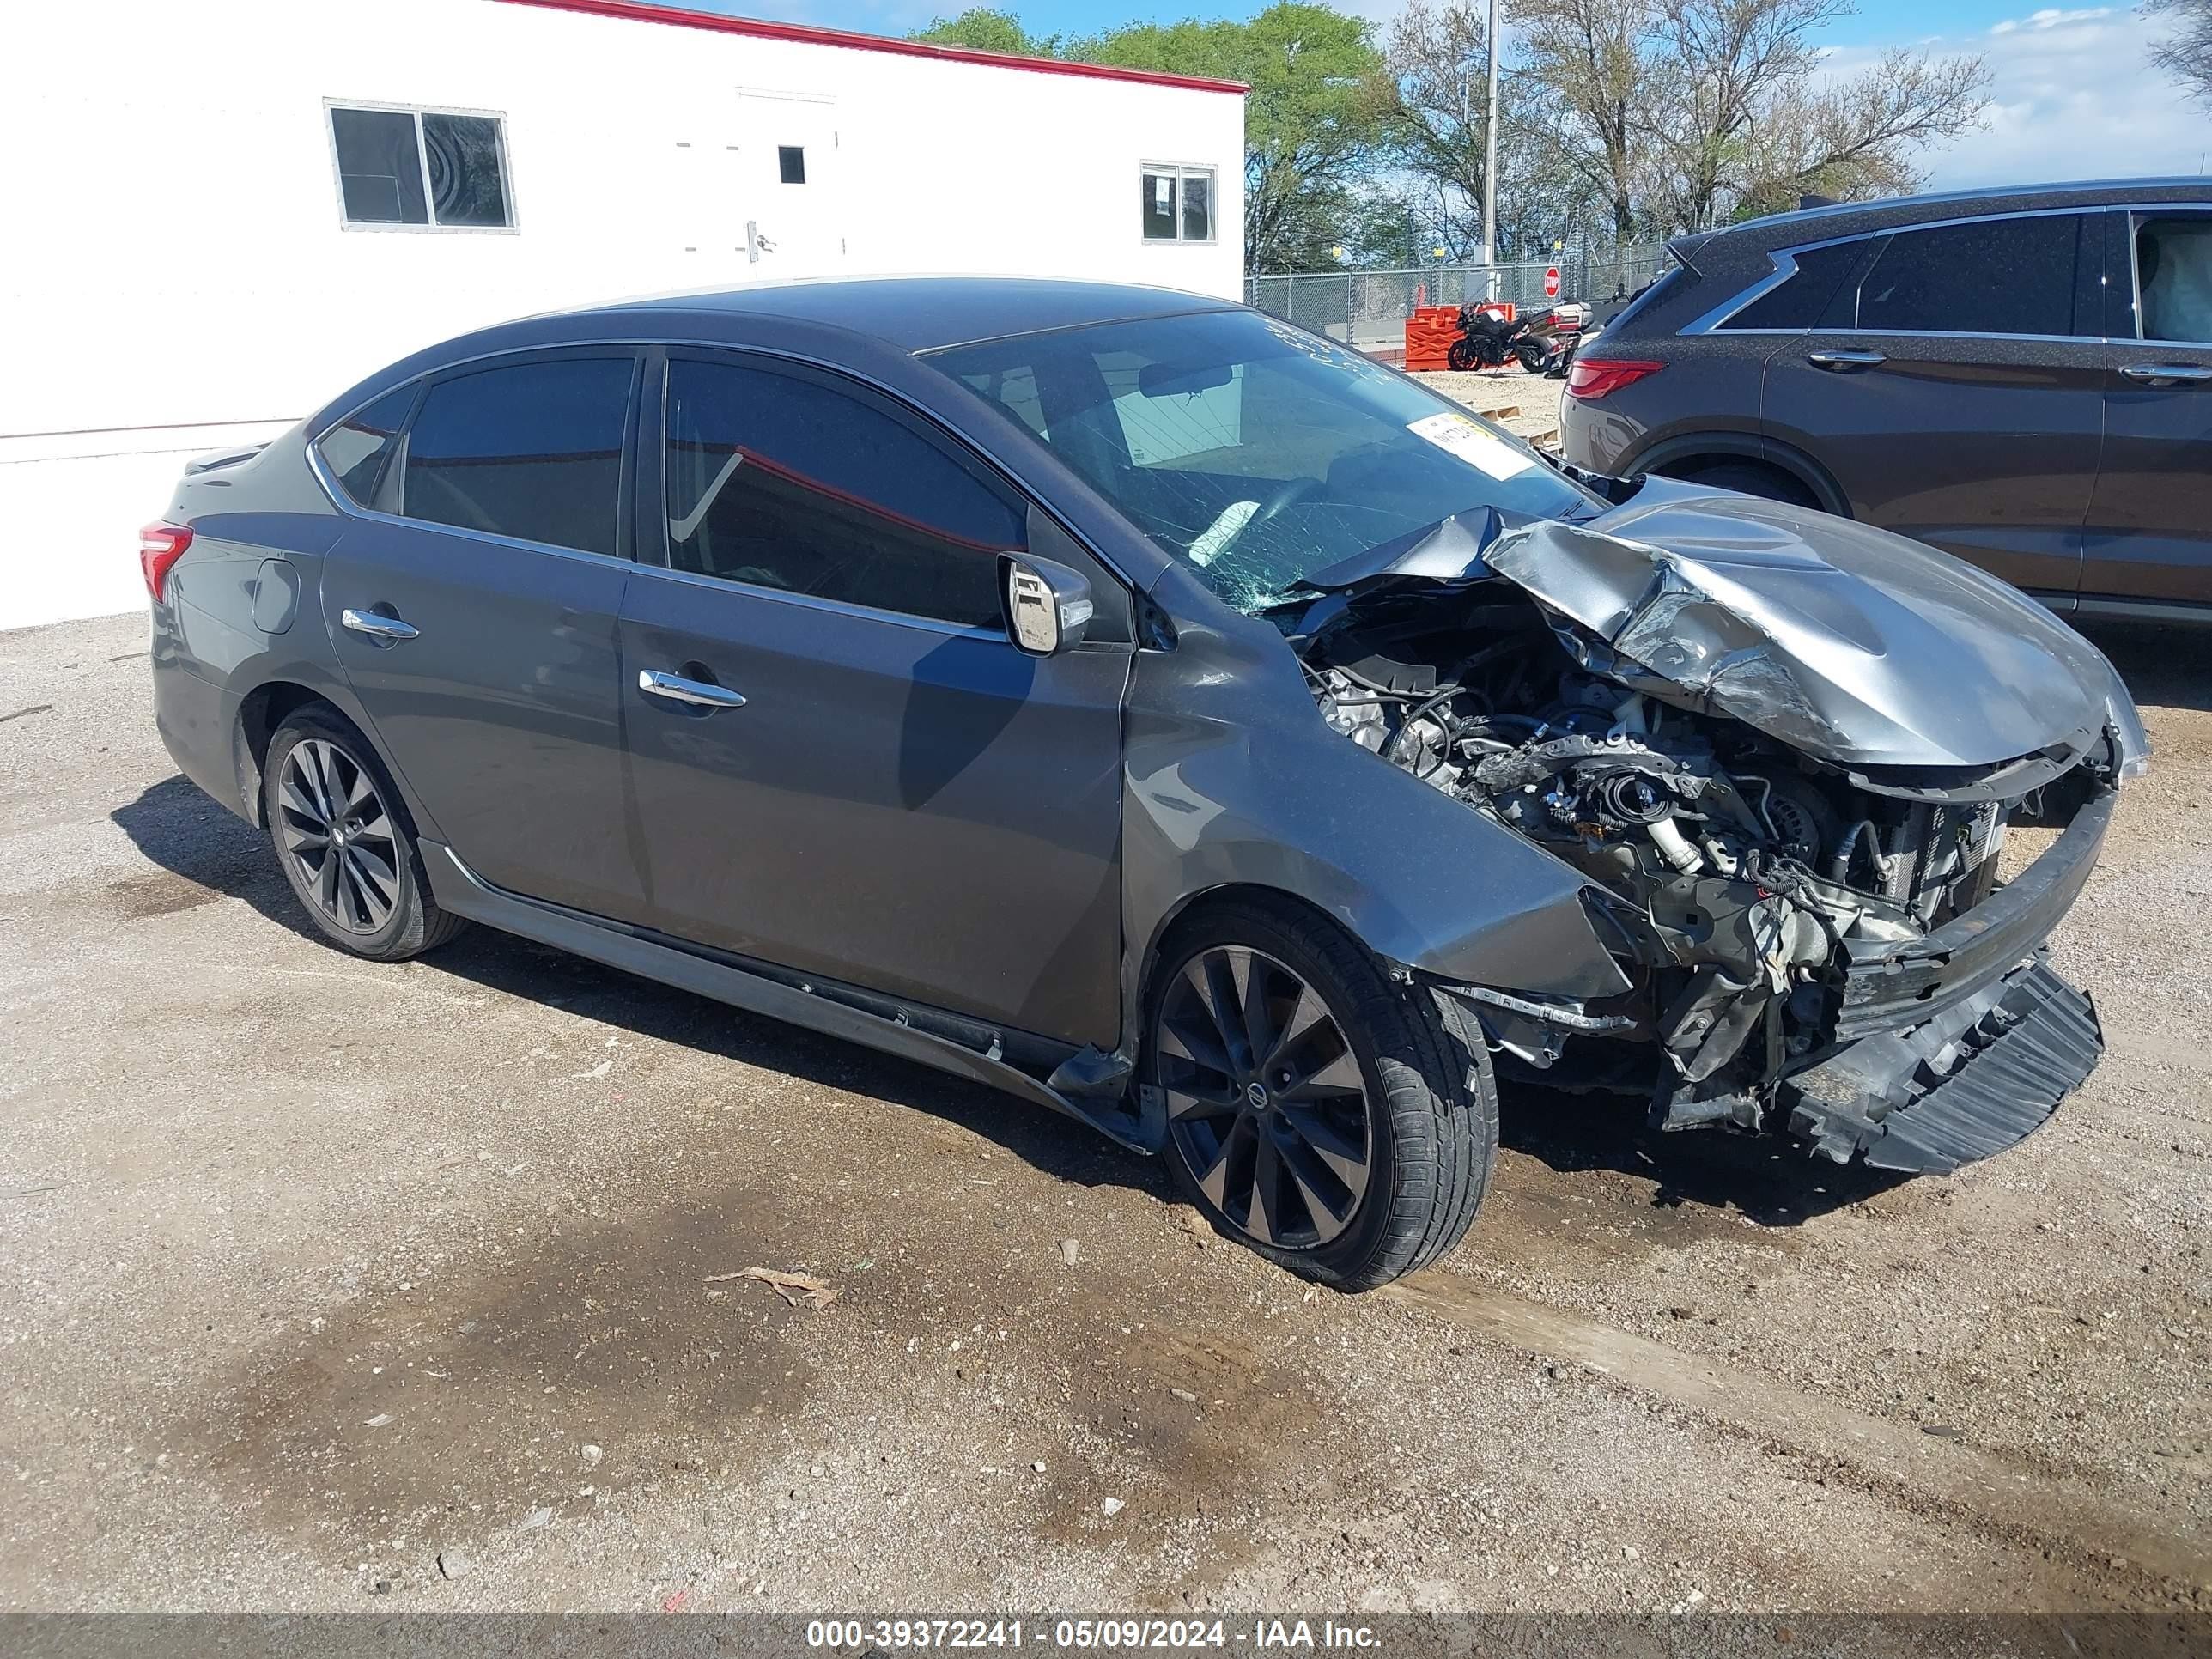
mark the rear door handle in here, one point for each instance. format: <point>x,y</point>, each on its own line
<point>1844,362</point>
<point>377,625</point>
<point>2167,374</point>
<point>700,694</point>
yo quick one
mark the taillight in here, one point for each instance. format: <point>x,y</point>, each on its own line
<point>1592,377</point>
<point>160,546</point>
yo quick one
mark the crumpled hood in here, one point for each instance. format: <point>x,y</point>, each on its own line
<point>1845,642</point>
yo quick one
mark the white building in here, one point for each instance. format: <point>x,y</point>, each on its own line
<point>223,212</point>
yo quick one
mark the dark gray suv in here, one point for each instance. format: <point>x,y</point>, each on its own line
<point>2022,378</point>
<point>1162,713</point>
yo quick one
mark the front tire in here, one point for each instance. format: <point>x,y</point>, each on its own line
<point>1342,1126</point>
<point>345,843</point>
<point>1461,355</point>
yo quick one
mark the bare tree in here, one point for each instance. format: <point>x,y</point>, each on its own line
<point>1856,140</point>
<point>1740,114</point>
<point>2186,54</point>
<point>1587,68</point>
<point>1438,63</point>
<point>1684,113</point>
<point>1437,57</point>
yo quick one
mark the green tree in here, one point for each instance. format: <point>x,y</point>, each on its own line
<point>1315,121</point>
<point>982,29</point>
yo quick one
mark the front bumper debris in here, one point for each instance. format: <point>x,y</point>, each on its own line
<point>1982,1075</point>
<point>1889,986</point>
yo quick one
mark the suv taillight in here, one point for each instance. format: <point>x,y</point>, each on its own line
<point>1592,377</point>
<point>160,546</point>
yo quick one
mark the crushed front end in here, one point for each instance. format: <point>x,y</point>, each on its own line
<point>1794,838</point>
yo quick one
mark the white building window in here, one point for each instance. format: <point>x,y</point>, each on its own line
<point>1178,203</point>
<point>427,169</point>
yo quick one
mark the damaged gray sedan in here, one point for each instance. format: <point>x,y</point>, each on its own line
<point>1143,706</point>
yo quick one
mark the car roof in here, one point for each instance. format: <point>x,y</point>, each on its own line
<point>1838,218</point>
<point>848,320</point>
<point>924,313</point>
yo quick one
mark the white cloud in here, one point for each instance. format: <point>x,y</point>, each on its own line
<point>2051,18</point>
<point>2073,95</point>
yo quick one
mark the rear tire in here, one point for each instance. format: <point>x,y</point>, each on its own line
<point>345,842</point>
<point>1427,1095</point>
<point>1747,478</point>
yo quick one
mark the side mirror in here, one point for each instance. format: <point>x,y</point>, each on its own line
<point>1048,604</point>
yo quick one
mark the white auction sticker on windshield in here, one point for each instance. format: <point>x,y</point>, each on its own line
<point>1468,440</point>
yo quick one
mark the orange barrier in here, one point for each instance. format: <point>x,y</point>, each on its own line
<point>1429,334</point>
<point>1431,329</point>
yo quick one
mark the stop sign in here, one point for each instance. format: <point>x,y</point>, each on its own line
<point>1552,284</point>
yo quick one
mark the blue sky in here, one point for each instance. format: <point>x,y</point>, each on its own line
<point>1878,20</point>
<point>2072,96</point>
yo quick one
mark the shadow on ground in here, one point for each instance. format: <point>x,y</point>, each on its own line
<point>177,827</point>
<point>1770,1181</point>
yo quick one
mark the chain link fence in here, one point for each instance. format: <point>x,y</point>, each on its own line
<point>1368,309</point>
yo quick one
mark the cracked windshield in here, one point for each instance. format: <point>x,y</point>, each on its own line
<point>1259,454</point>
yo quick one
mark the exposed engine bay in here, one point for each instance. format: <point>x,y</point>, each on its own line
<point>1747,885</point>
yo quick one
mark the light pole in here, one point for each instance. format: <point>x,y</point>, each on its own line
<point>1490,149</point>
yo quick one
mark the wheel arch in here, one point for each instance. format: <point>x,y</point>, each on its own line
<point>1221,895</point>
<point>265,707</point>
<point>1691,448</point>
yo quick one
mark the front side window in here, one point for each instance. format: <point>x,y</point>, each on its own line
<point>784,481</point>
<point>434,168</point>
<point>532,451</point>
<point>1178,205</point>
<point>1987,276</point>
<point>1253,451</point>
<point>2173,278</point>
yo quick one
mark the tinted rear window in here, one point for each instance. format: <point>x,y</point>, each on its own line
<point>356,449</point>
<point>1992,277</point>
<point>1798,301</point>
<point>532,452</point>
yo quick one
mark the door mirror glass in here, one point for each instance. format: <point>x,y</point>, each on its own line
<point>1048,604</point>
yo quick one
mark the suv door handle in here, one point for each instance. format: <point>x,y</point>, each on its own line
<point>1844,362</point>
<point>700,694</point>
<point>377,625</point>
<point>2166,374</point>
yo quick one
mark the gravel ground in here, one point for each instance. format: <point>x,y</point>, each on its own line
<point>322,1272</point>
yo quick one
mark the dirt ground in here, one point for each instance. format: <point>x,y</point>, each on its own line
<point>320,1271</point>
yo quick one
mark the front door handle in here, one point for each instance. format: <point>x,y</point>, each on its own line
<point>377,625</point>
<point>702,694</point>
<point>1845,361</point>
<point>2167,374</point>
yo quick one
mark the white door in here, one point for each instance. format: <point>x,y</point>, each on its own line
<point>789,162</point>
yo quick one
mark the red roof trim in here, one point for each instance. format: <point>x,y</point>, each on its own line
<point>805,34</point>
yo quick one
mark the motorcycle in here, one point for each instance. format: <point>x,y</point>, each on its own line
<point>1547,344</point>
<point>1541,342</point>
<point>1484,339</point>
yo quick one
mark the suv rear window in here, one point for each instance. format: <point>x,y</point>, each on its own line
<point>1798,302</point>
